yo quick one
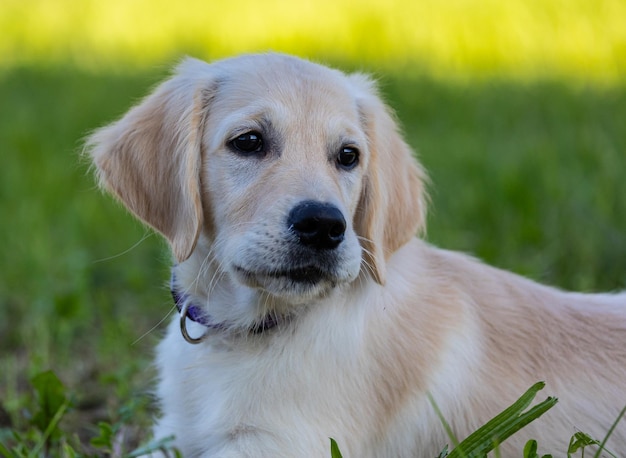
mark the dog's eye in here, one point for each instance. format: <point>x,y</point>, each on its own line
<point>348,157</point>
<point>248,143</point>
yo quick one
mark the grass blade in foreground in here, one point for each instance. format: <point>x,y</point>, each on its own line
<point>608,434</point>
<point>334,449</point>
<point>503,425</point>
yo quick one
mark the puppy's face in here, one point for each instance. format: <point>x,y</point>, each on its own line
<point>292,175</point>
<point>283,171</point>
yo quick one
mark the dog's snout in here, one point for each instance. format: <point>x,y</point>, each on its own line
<point>317,225</point>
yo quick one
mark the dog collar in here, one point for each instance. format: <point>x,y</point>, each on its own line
<point>188,310</point>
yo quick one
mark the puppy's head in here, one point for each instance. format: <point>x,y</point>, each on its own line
<point>292,175</point>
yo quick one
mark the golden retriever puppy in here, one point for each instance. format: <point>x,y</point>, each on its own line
<point>308,307</point>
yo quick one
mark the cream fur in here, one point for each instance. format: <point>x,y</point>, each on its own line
<point>355,354</point>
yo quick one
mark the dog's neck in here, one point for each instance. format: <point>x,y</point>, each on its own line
<point>184,304</point>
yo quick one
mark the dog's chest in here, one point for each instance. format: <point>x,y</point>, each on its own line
<point>215,395</point>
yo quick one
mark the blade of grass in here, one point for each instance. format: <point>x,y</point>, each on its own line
<point>5,452</point>
<point>334,449</point>
<point>608,434</point>
<point>487,429</point>
<point>51,426</point>
<point>503,425</point>
<point>489,438</point>
<point>152,446</point>
<point>446,425</point>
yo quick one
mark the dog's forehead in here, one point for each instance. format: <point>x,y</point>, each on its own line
<point>294,83</point>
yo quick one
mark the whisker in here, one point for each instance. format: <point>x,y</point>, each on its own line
<point>145,236</point>
<point>149,331</point>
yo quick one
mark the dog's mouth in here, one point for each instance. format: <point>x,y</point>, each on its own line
<point>295,285</point>
<point>309,275</point>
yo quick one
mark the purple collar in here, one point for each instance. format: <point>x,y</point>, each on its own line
<point>188,309</point>
<point>193,312</point>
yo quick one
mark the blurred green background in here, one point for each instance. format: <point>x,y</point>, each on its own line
<point>517,109</point>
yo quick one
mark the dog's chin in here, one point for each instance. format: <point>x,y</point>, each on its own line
<point>295,285</point>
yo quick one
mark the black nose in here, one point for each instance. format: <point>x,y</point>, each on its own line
<point>317,225</point>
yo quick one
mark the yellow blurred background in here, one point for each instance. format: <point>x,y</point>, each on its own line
<point>578,40</point>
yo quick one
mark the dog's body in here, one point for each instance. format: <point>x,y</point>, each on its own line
<point>291,204</point>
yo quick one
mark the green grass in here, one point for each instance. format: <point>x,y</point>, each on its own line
<point>62,304</point>
<point>527,177</point>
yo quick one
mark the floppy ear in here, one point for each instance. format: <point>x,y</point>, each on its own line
<point>392,208</point>
<point>150,158</point>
